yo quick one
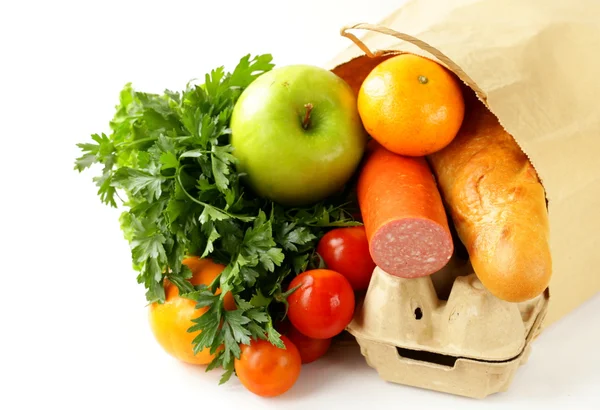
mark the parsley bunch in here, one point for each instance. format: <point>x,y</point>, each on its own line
<point>169,162</point>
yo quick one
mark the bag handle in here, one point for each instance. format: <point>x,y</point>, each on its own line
<point>419,43</point>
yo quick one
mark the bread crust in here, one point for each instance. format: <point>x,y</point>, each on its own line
<point>498,205</point>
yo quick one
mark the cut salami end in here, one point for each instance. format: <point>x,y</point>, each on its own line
<point>411,247</point>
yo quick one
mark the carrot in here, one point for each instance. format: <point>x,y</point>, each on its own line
<point>404,217</point>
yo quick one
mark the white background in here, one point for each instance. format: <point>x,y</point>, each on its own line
<point>73,324</point>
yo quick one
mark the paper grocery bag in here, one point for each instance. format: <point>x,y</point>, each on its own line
<point>535,64</point>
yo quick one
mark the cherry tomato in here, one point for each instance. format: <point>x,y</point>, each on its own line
<point>310,349</point>
<point>267,370</point>
<point>323,304</point>
<point>346,250</point>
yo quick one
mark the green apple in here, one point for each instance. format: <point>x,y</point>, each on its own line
<point>297,134</point>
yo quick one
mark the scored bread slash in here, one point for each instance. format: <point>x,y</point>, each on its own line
<point>403,214</point>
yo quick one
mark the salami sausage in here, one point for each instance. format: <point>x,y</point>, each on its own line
<point>404,217</point>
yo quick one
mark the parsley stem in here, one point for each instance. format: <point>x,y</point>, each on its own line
<point>127,143</point>
<point>216,280</point>
<point>178,179</point>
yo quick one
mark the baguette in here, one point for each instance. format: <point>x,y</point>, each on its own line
<point>498,206</point>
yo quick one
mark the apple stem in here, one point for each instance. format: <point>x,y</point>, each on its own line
<point>306,122</point>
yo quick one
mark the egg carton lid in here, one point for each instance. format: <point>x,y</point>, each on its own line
<point>472,323</point>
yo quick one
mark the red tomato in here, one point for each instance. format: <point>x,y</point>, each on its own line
<point>346,250</point>
<point>310,349</point>
<point>267,370</point>
<point>323,304</point>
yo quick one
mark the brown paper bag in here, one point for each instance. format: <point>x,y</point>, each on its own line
<point>535,64</point>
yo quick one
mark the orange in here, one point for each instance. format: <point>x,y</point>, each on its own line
<point>171,320</point>
<point>411,105</point>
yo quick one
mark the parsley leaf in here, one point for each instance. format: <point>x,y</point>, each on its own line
<point>222,161</point>
<point>290,236</point>
<point>149,184</point>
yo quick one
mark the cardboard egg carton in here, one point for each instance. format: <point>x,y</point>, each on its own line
<point>470,344</point>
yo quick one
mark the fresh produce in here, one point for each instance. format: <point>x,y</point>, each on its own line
<point>267,370</point>
<point>310,349</point>
<point>499,207</point>
<point>168,161</point>
<point>346,251</point>
<point>171,320</point>
<point>244,200</point>
<point>403,214</point>
<point>297,134</point>
<point>322,305</point>
<point>411,105</point>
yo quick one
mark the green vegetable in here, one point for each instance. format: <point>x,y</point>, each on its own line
<point>169,157</point>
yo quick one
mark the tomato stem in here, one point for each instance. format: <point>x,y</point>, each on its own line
<point>280,297</point>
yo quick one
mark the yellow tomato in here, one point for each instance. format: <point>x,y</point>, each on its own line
<point>171,320</point>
